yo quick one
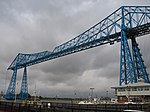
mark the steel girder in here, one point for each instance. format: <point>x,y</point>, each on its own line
<point>127,22</point>
<point>136,19</point>
<point>22,59</point>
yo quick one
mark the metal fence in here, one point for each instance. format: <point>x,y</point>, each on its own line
<point>68,107</point>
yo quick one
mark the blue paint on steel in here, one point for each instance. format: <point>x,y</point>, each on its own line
<point>127,74</point>
<point>125,23</point>
<point>140,69</point>
<point>104,32</point>
<point>10,94</point>
<point>24,86</point>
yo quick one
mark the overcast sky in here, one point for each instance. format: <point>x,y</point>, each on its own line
<point>29,26</point>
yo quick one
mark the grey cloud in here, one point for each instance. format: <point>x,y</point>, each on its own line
<point>34,25</point>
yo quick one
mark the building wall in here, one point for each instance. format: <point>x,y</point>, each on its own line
<point>137,92</point>
<point>134,94</point>
<point>133,91</point>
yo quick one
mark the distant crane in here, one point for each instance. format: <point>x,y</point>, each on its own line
<point>127,22</point>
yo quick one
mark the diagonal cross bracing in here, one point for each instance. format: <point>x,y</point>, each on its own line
<point>136,18</point>
<point>127,22</point>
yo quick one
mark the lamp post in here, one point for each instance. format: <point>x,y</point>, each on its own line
<point>75,93</point>
<point>106,96</point>
<point>92,89</point>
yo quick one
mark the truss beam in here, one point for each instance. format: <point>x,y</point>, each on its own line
<point>136,20</point>
<point>127,22</point>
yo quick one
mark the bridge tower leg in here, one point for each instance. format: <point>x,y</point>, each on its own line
<point>127,74</point>
<point>140,69</point>
<point>10,94</point>
<point>24,86</point>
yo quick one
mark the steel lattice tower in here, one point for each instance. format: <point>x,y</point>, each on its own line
<point>127,74</point>
<point>139,67</point>
<point>24,86</point>
<point>124,24</point>
<point>10,94</point>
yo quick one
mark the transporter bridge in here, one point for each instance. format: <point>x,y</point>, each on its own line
<point>126,23</point>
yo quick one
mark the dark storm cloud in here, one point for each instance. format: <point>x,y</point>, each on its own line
<point>34,25</point>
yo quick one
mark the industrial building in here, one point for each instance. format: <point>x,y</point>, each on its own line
<point>136,92</point>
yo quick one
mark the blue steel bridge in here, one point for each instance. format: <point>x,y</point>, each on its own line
<point>126,23</point>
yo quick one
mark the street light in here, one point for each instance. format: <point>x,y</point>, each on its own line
<point>106,96</point>
<point>75,93</point>
<point>92,89</point>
